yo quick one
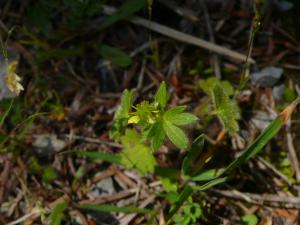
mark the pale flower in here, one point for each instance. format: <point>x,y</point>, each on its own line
<point>12,80</point>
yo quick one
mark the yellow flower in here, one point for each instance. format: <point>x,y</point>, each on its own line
<point>12,79</point>
<point>134,119</point>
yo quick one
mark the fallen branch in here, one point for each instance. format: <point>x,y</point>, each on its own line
<point>180,36</point>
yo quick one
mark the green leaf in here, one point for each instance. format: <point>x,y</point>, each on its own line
<point>161,96</point>
<point>131,138</point>
<point>126,102</point>
<point>206,175</point>
<point>167,172</point>
<point>258,144</point>
<point>108,157</point>
<point>6,112</point>
<point>227,87</point>
<point>182,119</point>
<point>188,191</point>
<point>169,185</point>
<point>289,95</point>
<point>193,211</point>
<point>209,84</point>
<point>209,184</point>
<point>115,56</point>
<point>49,174</point>
<point>249,219</point>
<point>122,114</point>
<point>184,195</point>
<point>157,135</point>
<point>169,177</point>
<point>177,116</point>
<point>176,135</point>
<point>174,111</point>
<point>227,109</point>
<point>112,208</point>
<point>57,214</point>
<point>193,153</point>
<point>126,10</point>
<point>136,155</point>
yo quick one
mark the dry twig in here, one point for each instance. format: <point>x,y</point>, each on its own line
<point>214,58</point>
<point>179,36</point>
<point>288,202</point>
<point>92,140</point>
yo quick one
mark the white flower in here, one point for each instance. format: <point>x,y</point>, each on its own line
<point>12,80</point>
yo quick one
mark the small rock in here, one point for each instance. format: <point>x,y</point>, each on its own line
<point>47,144</point>
<point>102,188</point>
<point>267,77</point>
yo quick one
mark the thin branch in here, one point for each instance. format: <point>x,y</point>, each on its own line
<point>288,202</point>
<point>214,58</point>
<point>92,140</point>
<point>179,36</point>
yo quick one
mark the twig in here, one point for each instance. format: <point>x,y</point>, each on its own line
<point>181,36</point>
<point>137,194</point>
<point>5,174</point>
<point>139,49</point>
<point>297,89</point>
<point>288,202</point>
<point>36,212</point>
<point>125,179</point>
<point>274,170</point>
<point>290,144</point>
<point>107,173</point>
<point>291,66</point>
<point>175,64</point>
<point>72,71</point>
<point>284,33</point>
<point>209,139</point>
<point>126,220</point>
<point>293,155</point>
<point>111,198</point>
<point>214,58</point>
<point>92,140</point>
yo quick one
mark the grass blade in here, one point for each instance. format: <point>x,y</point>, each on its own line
<point>192,155</point>
<point>209,184</point>
<point>187,191</point>
<point>108,157</point>
<point>113,208</point>
<point>258,144</point>
<point>206,175</point>
<point>7,111</point>
<point>264,138</point>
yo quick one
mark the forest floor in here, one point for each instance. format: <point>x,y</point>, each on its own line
<point>75,59</point>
